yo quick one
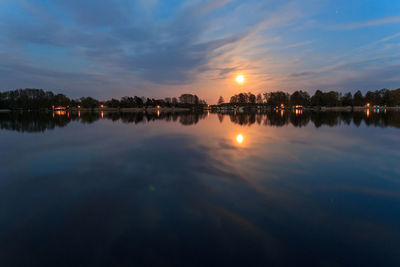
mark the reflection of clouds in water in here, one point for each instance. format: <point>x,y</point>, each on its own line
<point>166,192</point>
<point>114,186</point>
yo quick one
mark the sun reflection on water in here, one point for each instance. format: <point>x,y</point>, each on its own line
<point>239,139</point>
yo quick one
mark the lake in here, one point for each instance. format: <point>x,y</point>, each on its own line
<point>134,189</point>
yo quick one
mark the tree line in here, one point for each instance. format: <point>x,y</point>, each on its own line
<point>39,99</point>
<point>383,97</point>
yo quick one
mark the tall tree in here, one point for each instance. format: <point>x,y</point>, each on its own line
<point>278,98</point>
<point>300,98</point>
<point>358,99</point>
<point>251,98</point>
<point>259,99</point>
<point>346,100</point>
<point>318,99</point>
<point>394,97</point>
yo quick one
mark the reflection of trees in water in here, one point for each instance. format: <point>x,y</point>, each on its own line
<point>325,118</point>
<point>31,121</point>
<point>278,118</point>
<point>301,119</point>
<point>243,119</point>
<point>191,118</point>
<point>41,121</point>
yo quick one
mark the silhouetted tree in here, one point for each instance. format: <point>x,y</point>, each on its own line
<point>138,102</point>
<point>300,98</point>
<point>89,102</point>
<point>278,98</point>
<point>318,99</point>
<point>242,97</point>
<point>252,98</point>
<point>259,99</point>
<point>331,98</point>
<point>394,97</point>
<point>113,103</point>
<point>346,100</point>
<point>358,99</point>
<point>61,100</point>
<point>370,97</point>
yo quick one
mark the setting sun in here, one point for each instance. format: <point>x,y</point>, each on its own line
<point>240,79</point>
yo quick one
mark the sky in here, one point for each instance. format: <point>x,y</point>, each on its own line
<point>157,48</point>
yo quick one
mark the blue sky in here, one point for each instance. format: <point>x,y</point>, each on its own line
<point>164,48</point>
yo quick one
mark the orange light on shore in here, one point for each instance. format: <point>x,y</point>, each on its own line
<point>79,106</point>
<point>101,106</point>
<point>158,106</point>
<point>368,105</point>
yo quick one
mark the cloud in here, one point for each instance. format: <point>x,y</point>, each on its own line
<point>116,48</point>
<point>347,77</point>
<point>169,52</point>
<point>368,23</point>
<point>30,75</point>
<point>298,44</point>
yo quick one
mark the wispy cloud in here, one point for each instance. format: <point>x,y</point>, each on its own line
<point>298,44</point>
<point>368,23</point>
<point>115,48</point>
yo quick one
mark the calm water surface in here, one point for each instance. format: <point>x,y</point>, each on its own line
<point>110,189</point>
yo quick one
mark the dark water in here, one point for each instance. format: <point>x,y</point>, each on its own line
<point>111,189</point>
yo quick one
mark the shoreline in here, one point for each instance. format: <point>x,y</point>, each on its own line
<point>349,108</point>
<point>134,110</point>
<point>123,110</point>
<point>175,109</point>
